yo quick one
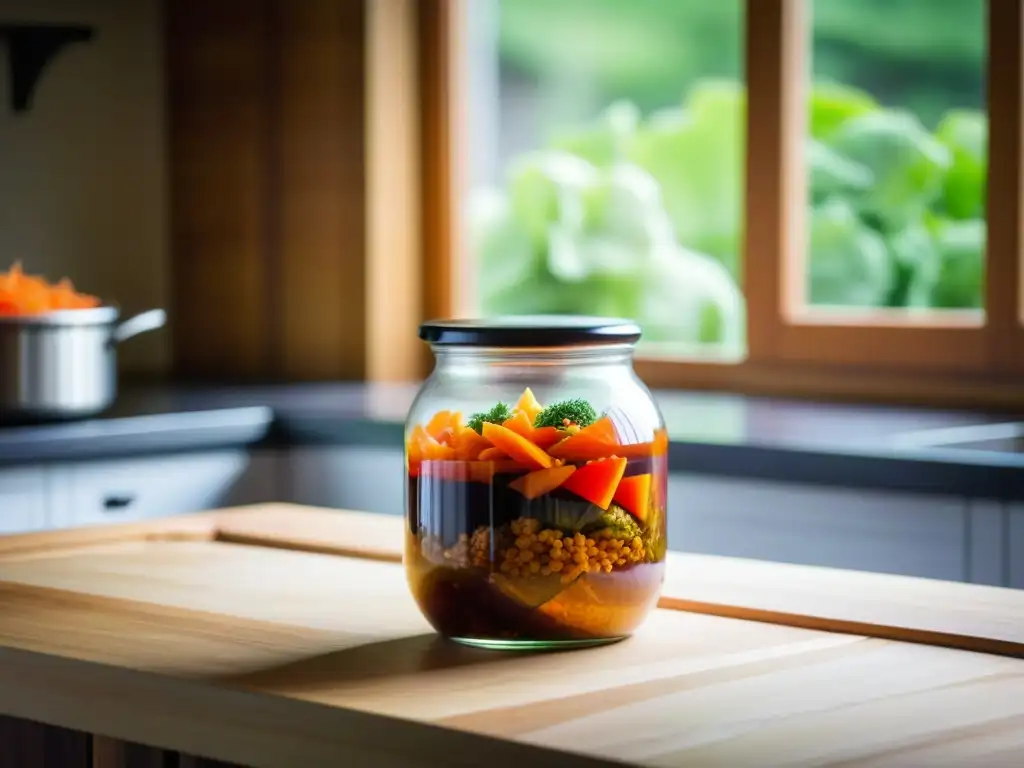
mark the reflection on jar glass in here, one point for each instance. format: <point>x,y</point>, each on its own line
<point>537,482</point>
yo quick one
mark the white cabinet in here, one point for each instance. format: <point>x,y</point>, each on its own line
<point>22,500</point>
<point>1015,548</point>
<point>365,478</point>
<point>260,482</point>
<point>986,539</point>
<point>136,489</point>
<point>887,532</point>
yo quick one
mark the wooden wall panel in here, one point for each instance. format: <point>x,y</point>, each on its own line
<point>217,54</point>
<point>280,140</point>
<point>322,189</point>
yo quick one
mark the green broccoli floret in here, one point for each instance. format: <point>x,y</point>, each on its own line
<point>577,411</point>
<point>496,415</point>
<point>618,521</point>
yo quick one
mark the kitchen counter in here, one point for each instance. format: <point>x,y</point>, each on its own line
<point>725,435</point>
<point>286,636</point>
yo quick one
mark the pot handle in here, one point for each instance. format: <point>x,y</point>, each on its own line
<point>145,321</point>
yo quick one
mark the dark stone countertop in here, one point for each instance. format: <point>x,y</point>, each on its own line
<point>857,446</point>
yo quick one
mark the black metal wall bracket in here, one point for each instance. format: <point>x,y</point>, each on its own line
<point>30,47</point>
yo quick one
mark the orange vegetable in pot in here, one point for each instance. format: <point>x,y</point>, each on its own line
<point>517,446</point>
<point>527,403</point>
<point>22,294</point>
<point>492,454</point>
<point>542,481</point>
<point>596,482</point>
<point>634,495</point>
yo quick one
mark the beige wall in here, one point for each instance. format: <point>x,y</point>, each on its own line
<point>82,174</point>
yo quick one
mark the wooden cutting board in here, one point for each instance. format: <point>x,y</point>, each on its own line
<point>285,636</point>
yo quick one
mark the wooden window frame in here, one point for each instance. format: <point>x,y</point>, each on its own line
<point>944,359</point>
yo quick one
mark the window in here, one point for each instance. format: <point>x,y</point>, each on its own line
<point>605,145</point>
<point>896,157</point>
<point>818,221</point>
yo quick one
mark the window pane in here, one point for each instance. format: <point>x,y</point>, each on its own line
<point>605,164</point>
<point>896,154</point>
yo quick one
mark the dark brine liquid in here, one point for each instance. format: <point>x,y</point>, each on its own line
<point>484,562</point>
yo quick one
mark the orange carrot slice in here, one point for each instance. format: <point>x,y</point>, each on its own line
<point>442,422</point>
<point>492,454</point>
<point>468,444</point>
<point>572,449</point>
<point>593,442</point>
<point>542,481</point>
<point>634,495</point>
<point>596,482</point>
<point>602,429</point>
<point>527,404</point>
<point>517,446</point>
<point>521,424</point>
<point>435,450</point>
<point>545,437</point>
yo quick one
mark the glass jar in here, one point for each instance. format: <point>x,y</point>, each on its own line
<point>537,480</point>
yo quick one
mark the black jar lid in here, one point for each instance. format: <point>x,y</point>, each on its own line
<point>530,331</point>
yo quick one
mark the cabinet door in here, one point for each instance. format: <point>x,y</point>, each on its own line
<point>986,542</point>
<point>1015,548</point>
<point>260,482</point>
<point>135,489</point>
<point>23,500</point>
<point>887,532</point>
<point>364,478</point>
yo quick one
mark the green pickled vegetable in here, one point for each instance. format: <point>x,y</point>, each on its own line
<point>575,411</point>
<point>498,414</point>
<point>617,521</point>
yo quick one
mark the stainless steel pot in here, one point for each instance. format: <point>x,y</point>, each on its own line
<point>63,364</point>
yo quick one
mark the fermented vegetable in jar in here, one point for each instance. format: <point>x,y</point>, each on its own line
<point>537,482</point>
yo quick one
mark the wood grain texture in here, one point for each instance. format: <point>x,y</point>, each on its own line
<point>320,177</point>
<point>1004,284</point>
<point>254,641</point>
<point>295,188</point>
<point>910,609</point>
<point>394,195</point>
<point>218,55</point>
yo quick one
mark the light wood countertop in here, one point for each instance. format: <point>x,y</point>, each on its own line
<point>286,636</point>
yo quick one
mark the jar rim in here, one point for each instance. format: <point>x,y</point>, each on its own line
<point>530,331</point>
